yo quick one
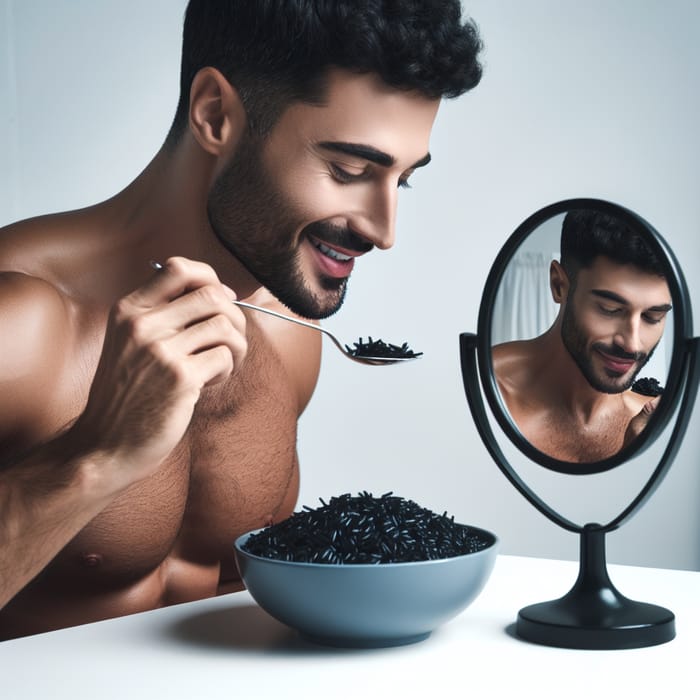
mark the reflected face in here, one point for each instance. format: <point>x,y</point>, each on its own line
<point>613,319</point>
<point>298,208</point>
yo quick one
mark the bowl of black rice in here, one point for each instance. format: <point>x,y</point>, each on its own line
<point>361,571</point>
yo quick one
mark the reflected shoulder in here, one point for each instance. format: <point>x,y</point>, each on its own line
<point>510,356</point>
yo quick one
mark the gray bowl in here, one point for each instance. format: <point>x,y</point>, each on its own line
<point>366,605</point>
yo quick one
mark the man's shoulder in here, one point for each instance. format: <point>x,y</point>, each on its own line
<point>23,293</point>
<point>33,314</point>
<point>26,236</point>
<point>36,338</point>
<point>512,357</point>
<point>522,374</point>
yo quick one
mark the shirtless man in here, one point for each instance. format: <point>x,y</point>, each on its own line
<point>569,390</point>
<point>146,421</point>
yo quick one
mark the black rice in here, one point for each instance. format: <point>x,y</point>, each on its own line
<point>378,348</point>
<point>648,386</point>
<point>363,529</point>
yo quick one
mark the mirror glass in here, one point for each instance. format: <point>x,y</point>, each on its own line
<point>581,334</point>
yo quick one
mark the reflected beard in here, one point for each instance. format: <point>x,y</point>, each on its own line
<point>575,342</point>
<point>255,223</point>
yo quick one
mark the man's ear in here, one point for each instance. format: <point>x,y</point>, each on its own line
<point>217,115</point>
<point>558,282</point>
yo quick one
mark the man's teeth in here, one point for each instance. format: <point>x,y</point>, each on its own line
<point>333,253</point>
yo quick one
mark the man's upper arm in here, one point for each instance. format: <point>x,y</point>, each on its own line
<point>35,328</point>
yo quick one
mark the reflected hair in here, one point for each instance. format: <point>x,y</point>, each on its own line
<point>587,234</point>
<point>275,52</point>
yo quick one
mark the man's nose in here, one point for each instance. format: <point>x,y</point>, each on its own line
<point>628,335</point>
<point>377,221</point>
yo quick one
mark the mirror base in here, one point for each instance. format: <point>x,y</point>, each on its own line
<point>568,622</point>
<point>594,614</point>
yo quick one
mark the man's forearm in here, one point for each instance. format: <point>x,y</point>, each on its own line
<point>46,498</point>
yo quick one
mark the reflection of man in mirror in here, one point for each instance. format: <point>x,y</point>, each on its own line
<point>570,390</point>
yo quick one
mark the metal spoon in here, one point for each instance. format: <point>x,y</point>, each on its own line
<point>363,359</point>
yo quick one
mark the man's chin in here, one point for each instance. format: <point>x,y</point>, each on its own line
<point>315,306</point>
<point>609,386</point>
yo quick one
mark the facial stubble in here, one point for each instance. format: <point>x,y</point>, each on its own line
<point>256,223</point>
<point>575,341</point>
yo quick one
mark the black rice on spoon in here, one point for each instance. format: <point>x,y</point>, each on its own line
<point>378,348</point>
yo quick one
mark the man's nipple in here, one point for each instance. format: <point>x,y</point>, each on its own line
<point>91,560</point>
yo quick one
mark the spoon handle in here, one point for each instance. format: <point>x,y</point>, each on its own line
<point>246,305</point>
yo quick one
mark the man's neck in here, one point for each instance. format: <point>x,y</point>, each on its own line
<point>163,212</point>
<point>567,389</point>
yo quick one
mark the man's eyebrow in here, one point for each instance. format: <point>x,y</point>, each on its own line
<point>661,308</point>
<point>605,294</point>
<point>369,153</point>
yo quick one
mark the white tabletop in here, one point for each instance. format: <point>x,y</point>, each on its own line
<point>229,647</point>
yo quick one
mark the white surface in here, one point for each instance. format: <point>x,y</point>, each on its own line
<point>594,98</point>
<point>228,647</point>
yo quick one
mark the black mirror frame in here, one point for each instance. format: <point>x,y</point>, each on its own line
<point>682,330</point>
<point>593,614</point>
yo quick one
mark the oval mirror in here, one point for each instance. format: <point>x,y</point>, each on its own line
<point>580,319</point>
<point>584,351</point>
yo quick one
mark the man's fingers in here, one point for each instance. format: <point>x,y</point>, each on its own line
<point>196,306</point>
<point>214,331</point>
<point>650,406</point>
<point>190,313</point>
<point>175,277</point>
<point>213,365</point>
<point>640,421</point>
<point>180,295</point>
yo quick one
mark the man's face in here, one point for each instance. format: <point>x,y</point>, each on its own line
<point>321,189</point>
<point>612,321</point>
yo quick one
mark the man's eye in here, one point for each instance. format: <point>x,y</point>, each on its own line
<point>653,319</point>
<point>404,183</point>
<point>608,310</point>
<point>343,175</point>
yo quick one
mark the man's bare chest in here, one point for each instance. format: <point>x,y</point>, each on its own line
<point>574,441</point>
<point>235,469</point>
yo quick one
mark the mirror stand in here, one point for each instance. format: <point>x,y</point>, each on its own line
<point>594,614</point>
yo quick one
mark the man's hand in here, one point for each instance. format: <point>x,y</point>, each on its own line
<point>164,343</point>
<point>639,422</point>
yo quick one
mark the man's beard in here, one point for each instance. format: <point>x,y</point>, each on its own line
<point>256,224</point>
<point>574,341</point>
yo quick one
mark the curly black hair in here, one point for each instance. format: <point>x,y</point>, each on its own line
<point>588,233</point>
<point>275,52</point>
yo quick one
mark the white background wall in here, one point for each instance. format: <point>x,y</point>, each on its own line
<point>596,99</point>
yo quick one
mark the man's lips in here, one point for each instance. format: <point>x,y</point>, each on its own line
<point>616,364</point>
<point>334,260</point>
